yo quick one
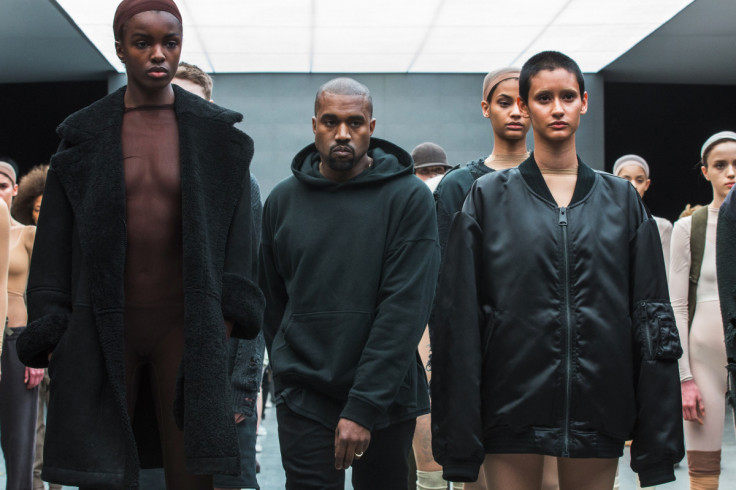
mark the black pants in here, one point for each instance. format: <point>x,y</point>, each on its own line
<point>18,412</point>
<point>308,455</point>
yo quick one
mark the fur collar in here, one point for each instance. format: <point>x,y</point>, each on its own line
<point>86,123</point>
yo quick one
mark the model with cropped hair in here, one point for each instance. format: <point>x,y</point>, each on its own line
<point>694,294</point>
<point>549,366</point>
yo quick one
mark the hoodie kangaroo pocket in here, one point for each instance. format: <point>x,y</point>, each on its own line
<point>323,349</point>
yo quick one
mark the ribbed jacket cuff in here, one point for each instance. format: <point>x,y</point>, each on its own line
<point>659,475</point>
<point>243,304</point>
<point>361,412</point>
<point>460,471</point>
<point>40,338</point>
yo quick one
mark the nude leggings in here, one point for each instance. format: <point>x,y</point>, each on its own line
<point>154,337</point>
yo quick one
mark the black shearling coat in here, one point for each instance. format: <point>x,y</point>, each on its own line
<point>726,264</point>
<point>75,294</point>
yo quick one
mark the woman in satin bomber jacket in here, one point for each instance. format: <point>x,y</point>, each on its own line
<point>552,332</point>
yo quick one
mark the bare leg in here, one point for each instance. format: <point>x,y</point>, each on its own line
<point>587,473</point>
<point>422,445</point>
<point>517,471</point>
<point>429,473</point>
<point>550,480</point>
<point>480,484</point>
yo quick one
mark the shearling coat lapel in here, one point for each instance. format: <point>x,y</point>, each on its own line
<point>95,187</point>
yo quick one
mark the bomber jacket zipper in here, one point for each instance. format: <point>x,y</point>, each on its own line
<point>568,334</point>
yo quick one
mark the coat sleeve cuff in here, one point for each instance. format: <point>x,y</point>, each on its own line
<point>40,338</point>
<point>361,412</point>
<point>658,475</point>
<point>460,471</point>
<point>243,304</point>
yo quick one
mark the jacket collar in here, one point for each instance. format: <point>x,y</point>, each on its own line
<point>531,174</point>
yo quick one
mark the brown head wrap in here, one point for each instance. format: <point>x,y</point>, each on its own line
<point>129,8</point>
<point>496,77</point>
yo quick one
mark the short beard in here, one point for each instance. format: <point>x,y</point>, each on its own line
<point>340,165</point>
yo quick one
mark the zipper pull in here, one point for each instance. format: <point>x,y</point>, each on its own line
<point>563,217</point>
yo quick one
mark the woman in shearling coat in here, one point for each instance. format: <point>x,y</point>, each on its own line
<point>101,426</point>
<point>75,294</point>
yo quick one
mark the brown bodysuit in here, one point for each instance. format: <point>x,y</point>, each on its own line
<point>154,288</point>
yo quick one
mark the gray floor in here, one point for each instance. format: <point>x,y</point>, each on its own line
<point>272,473</point>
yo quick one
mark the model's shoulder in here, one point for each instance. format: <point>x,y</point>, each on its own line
<point>662,223</point>
<point>94,118</point>
<point>462,176</point>
<point>189,103</point>
<point>611,181</point>
<point>683,224</point>
<point>29,236</point>
<point>456,176</point>
<point>499,177</point>
<point>283,189</point>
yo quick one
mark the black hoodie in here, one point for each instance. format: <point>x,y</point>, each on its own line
<point>349,270</point>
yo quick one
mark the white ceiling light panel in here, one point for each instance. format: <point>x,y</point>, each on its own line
<point>231,36</point>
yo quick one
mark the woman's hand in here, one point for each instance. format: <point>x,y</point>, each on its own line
<point>693,408</point>
<point>33,377</point>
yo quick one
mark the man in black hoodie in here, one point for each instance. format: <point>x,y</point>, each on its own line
<point>349,261</point>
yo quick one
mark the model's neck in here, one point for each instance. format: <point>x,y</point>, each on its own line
<point>502,147</point>
<point>717,201</point>
<point>135,97</point>
<point>506,153</point>
<point>556,156</point>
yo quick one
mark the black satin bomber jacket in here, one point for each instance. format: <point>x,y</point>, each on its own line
<point>553,332</point>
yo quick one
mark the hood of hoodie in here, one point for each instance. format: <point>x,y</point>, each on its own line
<point>389,162</point>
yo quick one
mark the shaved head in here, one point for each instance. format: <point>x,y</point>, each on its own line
<point>344,86</point>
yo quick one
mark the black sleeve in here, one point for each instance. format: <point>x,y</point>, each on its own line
<point>242,300</point>
<point>449,197</point>
<point>405,294</point>
<point>456,333</point>
<point>726,265</point>
<point>49,291</point>
<point>270,281</point>
<point>658,433</point>
<point>248,362</point>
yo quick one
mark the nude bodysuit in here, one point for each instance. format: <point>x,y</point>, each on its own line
<point>19,264</point>
<point>704,350</point>
<point>154,291</point>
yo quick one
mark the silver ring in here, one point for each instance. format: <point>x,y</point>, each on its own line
<point>359,455</point>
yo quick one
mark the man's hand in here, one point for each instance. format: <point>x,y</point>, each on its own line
<point>33,377</point>
<point>693,408</point>
<point>239,417</point>
<point>351,441</point>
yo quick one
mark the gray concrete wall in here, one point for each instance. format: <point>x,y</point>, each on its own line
<point>409,109</point>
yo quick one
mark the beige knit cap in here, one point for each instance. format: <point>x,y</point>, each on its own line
<point>498,76</point>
